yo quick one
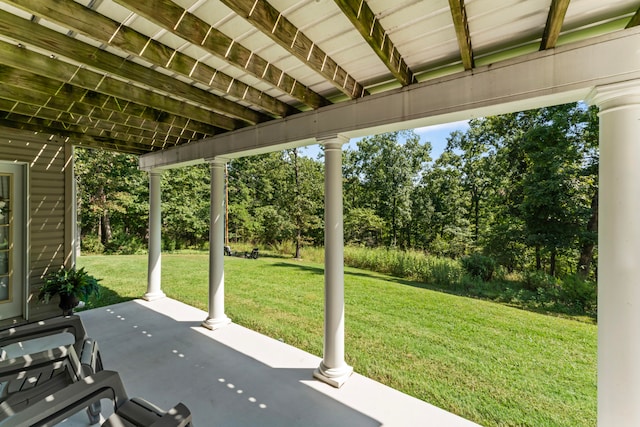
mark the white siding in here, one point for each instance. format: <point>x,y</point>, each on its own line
<point>49,182</point>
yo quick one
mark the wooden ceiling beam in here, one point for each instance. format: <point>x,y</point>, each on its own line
<point>22,58</point>
<point>32,33</point>
<point>63,97</point>
<point>270,21</point>
<point>83,20</point>
<point>557,12</point>
<point>461,25</point>
<point>180,22</point>
<point>75,138</point>
<point>635,19</point>
<point>365,21</point>
<point>92,125</point>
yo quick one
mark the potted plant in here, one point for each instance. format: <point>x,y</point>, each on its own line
<point>72,285</point>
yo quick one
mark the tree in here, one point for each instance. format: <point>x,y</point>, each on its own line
<point>303,198</point>
<point>441,210</point>
<point>382,173</point>
<point>112,195</point>
<point>546,163</point>
<point>186,195</point>
<point>474,158</point>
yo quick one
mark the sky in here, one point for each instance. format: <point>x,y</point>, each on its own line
<point>436,134</point>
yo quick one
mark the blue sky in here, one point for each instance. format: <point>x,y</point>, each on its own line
<point>436,134</point>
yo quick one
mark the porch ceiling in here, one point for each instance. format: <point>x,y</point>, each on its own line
<point>141,77</point>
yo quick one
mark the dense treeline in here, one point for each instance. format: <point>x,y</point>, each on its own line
<point>519,190</point>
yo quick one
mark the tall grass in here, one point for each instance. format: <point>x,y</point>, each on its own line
<point>567,296</point>
<point>412,265</point>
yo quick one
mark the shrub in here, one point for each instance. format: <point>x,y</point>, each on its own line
<point>533,280</point>
<point>91,244</point>
<point>443,272</point>
<point>479,266</point>
<point>125,245</point>
<point>579,293</point>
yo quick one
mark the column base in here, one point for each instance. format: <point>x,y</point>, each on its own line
<point>335,377</point>
<point>214,324</point>
<point>152,296</point>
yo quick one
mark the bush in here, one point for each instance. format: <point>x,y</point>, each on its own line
<point>479,266</point>
<point>125,245</point>
<point>444,272</point>
<point>579,293</point>
<point>532,280</point>
<point>91,244</point>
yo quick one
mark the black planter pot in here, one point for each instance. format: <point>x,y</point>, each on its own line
<point>68,303</point>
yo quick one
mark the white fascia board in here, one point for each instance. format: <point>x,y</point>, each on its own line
<point>556,76</point>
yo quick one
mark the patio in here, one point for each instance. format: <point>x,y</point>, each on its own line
<point>237,377</point>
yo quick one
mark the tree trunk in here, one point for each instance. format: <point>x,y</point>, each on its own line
<point>298,219</point>
<point>106,228</point>
<point>538,258</point>
<point>586,253</point>
<point>552,263</point>
<point>476,219</point>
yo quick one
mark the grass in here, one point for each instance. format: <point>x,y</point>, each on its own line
<point>493,364</point>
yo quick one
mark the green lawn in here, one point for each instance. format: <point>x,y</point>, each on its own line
<point>495,365</point>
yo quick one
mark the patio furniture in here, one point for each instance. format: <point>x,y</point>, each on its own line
<point>85,347</point>
<point>33,377</point>
<point>103,385</point>
<point>253,254</point>
<point>27,375</point>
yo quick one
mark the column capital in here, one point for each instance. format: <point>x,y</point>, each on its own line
<point>615,96</point>
<point>156,172</point>
<point>333,141</point>
<point>217,161</point>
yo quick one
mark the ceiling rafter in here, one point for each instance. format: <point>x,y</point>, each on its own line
<point>79,136</point>
<point>555,19</point>
<point>20,57</point>
<point>193,29</point>
<point>92,24</point>
<point>61,44</point>
<point>461,25</point>
<point>365,21</point>
<point>63,97</point>
<point>273,24</point>
<point>68,120</point>
<point>635,19</point>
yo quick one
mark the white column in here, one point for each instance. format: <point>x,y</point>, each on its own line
<point>619,255</point>
<point>154,290</point>
<point>333,369</point>
<point>216,318</point>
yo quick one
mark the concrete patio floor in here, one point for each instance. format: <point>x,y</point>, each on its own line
<point>237,377</point>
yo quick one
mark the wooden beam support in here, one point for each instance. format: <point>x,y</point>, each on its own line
<point>95,128</point>
<point>31,33</point>
<point>79,138</point>
<point>22,58</point>
<point>180,22</point>
<point>552,29</point>
<point>461,25</point>
<point>63,97</point>
<point>83,20</point>
<point>272,24</point>
<point>365,21</point>
<point>635,19</point>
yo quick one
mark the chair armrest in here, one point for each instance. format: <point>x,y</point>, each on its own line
<point>71,399</point>
<point>56,325</point>
<point>17,367</point>
<point>90,359</point>
<point>178,416</point>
